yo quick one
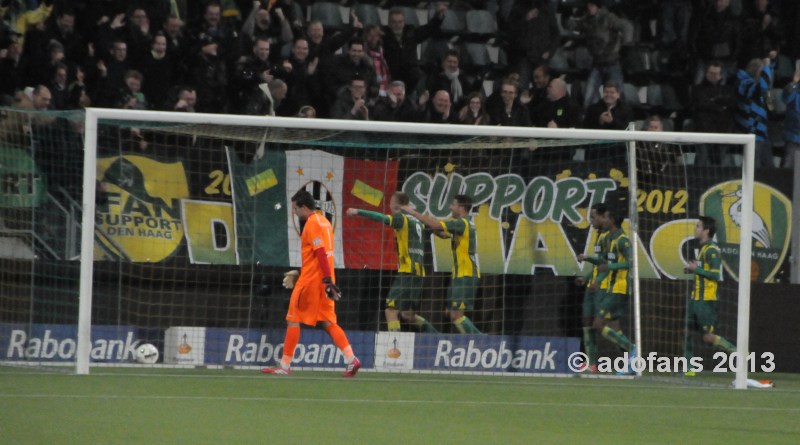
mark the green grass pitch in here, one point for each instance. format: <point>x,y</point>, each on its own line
<point>226,406</point>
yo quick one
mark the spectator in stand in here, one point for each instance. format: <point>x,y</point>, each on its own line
<point>373,45</point>
<point>604,33</point>
<point>62,30</point>
<point>474,112</point>
<point>302,75</point>
<point>559,110</point>
<point>752,87</point>
<point>717,37</point>
<point>395,106</point>
<point>439,110</point>
<point>713,103</point>
<point>609,113</point>
<point>345,67</point>
<point>761,31</point>
<point>159,68</point>
<point>40,69</point>
<point>791,126</point>
<point>10,72</point>
<point>451,79</point>
<point>186,99</point>
<point>59,88</point>
<point>78,96</point>
<point>226,37</point>
<point>534,37</point>
<point>251,71</point>
<point>537,95</point>
<point>674,18</point>
<point>352,102</point>
<point>510,112</point>
<point>323,46</point>
<point>208,72</point>
<point>138,35</point>
<point>176,41</point>
<point>259,24</point>
<point>308,112</point>
<point>655,157</point>
<point>131,97</point>
<point>400,46</point>
<point>110,73</point>
<point>267,100</point>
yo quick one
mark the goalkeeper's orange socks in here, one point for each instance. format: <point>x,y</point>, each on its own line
<point>394,325</point>
<point>424,325</point>
<point>617,337</point>
<point>590,343</point>
<point>465,326</point>
<point>721,343</point>
<point>289,345</point>
<point>341,342</point>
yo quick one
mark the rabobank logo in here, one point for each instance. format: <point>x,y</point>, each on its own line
<point>494,353</point>
<point>772,225</point>
<point>501,357</point>
<point>394,350</point>
<point>259,348</point>
<point>57,343</point>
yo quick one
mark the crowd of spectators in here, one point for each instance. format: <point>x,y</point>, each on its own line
<point>559,63</point>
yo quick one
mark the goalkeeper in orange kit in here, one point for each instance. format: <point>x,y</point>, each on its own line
<point>315,291</point>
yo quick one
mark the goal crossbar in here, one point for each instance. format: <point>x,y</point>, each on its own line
<point>94,115</point>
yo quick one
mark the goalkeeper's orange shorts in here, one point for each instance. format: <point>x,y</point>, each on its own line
<point>310,305</point>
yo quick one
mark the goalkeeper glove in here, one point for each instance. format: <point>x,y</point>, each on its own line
<point>331,289</point>
<point>289,279</point>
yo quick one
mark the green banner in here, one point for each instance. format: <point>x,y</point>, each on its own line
<point>22,184</point>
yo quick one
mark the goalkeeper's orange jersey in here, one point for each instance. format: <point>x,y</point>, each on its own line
<point>317,233</point>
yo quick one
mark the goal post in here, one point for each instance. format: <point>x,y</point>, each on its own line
<point>476,136</point>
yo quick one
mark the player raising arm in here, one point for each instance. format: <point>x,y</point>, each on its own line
<point>612,275</point>
<point>406,291</point>
<point>315,291</point>
<point>466,272</point>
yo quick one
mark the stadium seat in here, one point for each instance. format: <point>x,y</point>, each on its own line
<point>454,23</point>
<point>329,14</point>
<point>631,95</point>
<point>367,14</point>
<point>558,61</point>
<point>653,96</point>
<point>481,24</point>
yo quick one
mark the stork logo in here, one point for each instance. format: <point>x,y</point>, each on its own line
<point>325,202</point>
<point>772,221</point>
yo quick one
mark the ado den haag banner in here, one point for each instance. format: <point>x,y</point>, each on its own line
<point>231,212</point>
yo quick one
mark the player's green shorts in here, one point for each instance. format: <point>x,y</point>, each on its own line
<point>701,316</point>
<point>405,293</point>
<point>461,294</point>
<point>611,306</point>
<point>590,303</point>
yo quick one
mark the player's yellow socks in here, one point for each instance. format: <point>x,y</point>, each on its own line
<point>617,337</point>
<point>289,345</point>
<point>394,325</point>
<point>425,325</point>
<point>721,343</point>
